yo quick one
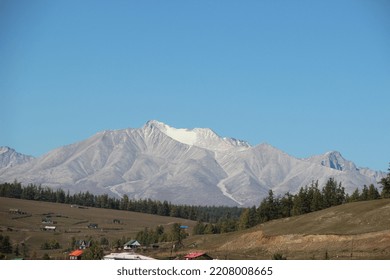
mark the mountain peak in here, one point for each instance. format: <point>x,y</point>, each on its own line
<point>182,135</point>
<point>4,149</point>
<point>334,160</point>
<point>154,123</point>
<point>9,157</point>
<point>334,154</point>
<point>200,137</point>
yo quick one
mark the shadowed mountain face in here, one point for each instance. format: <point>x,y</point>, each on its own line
<point>183,166</point>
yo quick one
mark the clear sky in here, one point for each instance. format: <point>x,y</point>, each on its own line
<point>304,76</point>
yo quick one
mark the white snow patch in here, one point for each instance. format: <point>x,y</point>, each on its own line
<point>200,137</point>
<point>113,189</point>
<point>222,187</point>
<point>182,135</point>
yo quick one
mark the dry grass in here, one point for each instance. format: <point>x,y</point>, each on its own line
<point>353,231</point>
<point>71,222</point>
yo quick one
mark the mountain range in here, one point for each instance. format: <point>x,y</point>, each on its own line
<point>183,166</point>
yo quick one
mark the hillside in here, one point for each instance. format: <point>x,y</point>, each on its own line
<point>71,222</point>
<point>359,230</point>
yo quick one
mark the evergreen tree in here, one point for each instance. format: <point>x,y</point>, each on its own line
<point>286,205</point>
<point>373,193</point>
<point>60,196</point>
<point>316,197</point>
<point>177,234</point>
<point>25,250</point>
<point>385,182</point>
<point>272,211</point>
<point>268,209</point>
<point>262,212</point>
<point>94,252</point>
<point>252,216</point>
<point>124,205</point>
<point>210,229</point>
<point>355,196</point>
<point>302,201</point>
<point>244,221</point>
<point>5,245</point>
<point>333,194</point>
<point>364,195</point>
<point>199,228</point>
<point>297,206</point>
<point>16,190</point>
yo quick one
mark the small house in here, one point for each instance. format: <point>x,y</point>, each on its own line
<point>76,255</point>
<point>93,226</point>
<point>197,256</point>
<point>50,228</point>
<point>47,221</point>
<point>126,256</point>
<point>83,244</point>
<point>16,211</point>
<point>131,245</point>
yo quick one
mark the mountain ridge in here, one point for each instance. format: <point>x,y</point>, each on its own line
<point>9,157</point>
<point>184,166</point>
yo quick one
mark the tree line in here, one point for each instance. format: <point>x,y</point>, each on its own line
<point>208,214</point>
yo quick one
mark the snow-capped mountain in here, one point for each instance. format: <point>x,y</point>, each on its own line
<point>9,157</point>
<point>336,161</point>
<point>184,166</point>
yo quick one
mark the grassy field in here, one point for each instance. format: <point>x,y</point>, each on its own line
<point>71,222</point>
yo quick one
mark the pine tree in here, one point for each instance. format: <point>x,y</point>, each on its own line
<point>5,245</point>
<point>364,195</point>
<point>199,228</point>
<point>333,194</point>
<point>316,198</point>
<point>177,234</point>
<point>252,216</point>
<point>286,205</point>
<point>302,201</point>
<point>385,182</point>
<point>297,206</point>
<point>355,196</point>
<point>95,252</point>
<point>209,229</point>
<point>373,193</point>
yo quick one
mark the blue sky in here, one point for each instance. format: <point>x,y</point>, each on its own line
<point>304,76</point>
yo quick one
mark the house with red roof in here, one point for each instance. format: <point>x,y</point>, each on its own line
<point>76,254</point>
<point>197,256</point>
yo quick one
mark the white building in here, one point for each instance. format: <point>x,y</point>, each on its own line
<point>126,256</point>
